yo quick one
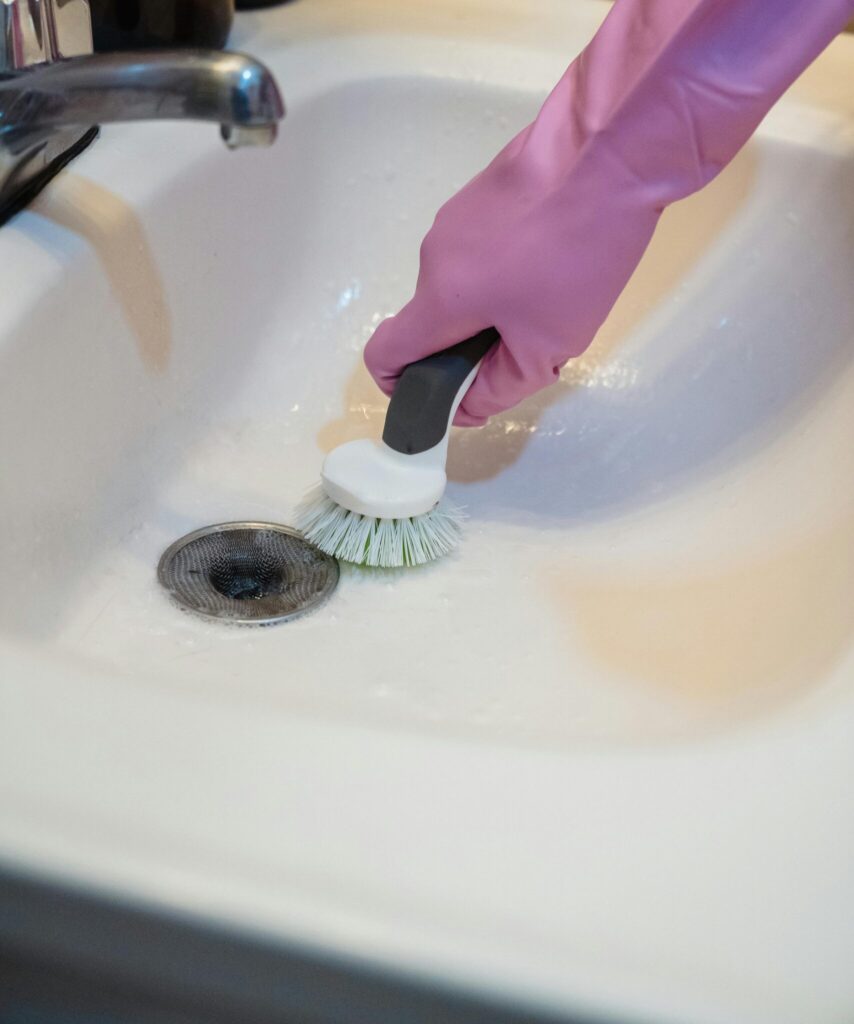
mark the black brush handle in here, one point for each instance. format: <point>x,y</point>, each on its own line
<point>418,414</point>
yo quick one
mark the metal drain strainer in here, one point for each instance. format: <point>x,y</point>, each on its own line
<point>247,572</point>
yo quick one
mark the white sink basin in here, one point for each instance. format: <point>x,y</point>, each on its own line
<point>599,758</point>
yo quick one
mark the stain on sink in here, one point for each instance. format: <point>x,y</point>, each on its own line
<point>722,642</point>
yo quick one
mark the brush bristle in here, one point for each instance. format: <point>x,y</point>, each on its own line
<point>385,543</point>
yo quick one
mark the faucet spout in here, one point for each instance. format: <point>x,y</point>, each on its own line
<point>54,92</point>
<point>230,89</point>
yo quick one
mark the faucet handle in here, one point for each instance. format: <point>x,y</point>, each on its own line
<point>41,31</point>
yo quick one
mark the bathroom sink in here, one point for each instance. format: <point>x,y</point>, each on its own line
<point>597,760</point>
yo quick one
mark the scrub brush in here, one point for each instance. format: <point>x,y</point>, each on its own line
<point>380,503</point>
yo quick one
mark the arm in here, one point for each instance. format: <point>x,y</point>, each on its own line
<point>541,243</point>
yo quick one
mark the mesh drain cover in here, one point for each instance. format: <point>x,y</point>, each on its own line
<point>247,572</point>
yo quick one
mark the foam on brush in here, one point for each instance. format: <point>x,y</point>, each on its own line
<point>384,543</point>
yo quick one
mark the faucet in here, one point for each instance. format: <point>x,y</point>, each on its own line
<point>54,92</point>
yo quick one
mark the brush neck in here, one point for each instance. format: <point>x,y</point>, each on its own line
<point>428,395</point>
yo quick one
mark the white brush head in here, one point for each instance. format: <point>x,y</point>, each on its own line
<point>372,479</point>
<point>386,543</point>
<point>378,507</point>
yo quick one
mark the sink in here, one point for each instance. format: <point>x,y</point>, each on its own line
<point>596,760</point>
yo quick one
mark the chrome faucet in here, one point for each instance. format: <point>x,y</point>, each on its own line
<point>54,92</point>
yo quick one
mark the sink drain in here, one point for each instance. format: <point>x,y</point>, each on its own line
<point>247,572</point>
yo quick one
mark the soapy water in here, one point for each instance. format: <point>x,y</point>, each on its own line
<point>476,645</point>
<point>493,642</point>
<point>457,654</point>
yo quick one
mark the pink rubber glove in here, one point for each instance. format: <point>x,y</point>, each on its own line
<point>542,242</point>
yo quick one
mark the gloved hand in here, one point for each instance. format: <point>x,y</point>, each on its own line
<point>541,243</point>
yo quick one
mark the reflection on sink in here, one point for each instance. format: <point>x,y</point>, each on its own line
<point>191,386</point>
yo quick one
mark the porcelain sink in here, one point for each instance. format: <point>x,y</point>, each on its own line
<point>598,760</point>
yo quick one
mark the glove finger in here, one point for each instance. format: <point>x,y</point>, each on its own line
<point>403,339</point>
<point>464,419</point>
<point>515,369</point>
